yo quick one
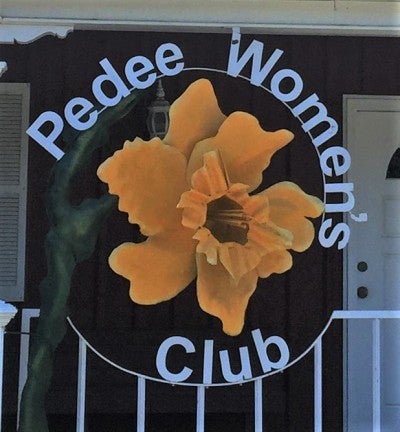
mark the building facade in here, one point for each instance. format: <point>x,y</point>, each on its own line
<point>340,58</point>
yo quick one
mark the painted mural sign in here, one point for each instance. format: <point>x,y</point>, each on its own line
<point>196,196</point>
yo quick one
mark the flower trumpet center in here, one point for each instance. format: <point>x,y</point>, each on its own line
<point>232,228</point>
<point>227,221</point>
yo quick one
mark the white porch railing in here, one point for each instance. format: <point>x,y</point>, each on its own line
<point>7,312</point>
<point>316,347</point>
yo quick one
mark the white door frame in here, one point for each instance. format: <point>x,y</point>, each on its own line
<point>351,104</point>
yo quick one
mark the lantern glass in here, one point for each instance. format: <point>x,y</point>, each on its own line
<point>159,123</point>
<point>158,117</point>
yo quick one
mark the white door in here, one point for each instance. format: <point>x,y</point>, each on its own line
<point>372,272</point>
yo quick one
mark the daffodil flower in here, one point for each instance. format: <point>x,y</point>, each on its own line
<point>190,193</point>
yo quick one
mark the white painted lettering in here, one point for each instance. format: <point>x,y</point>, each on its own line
<point>162,60</point>
<point>111,76</point>
<point>254,52</point>
<point>74,118</point>
<point>161,359</point>
<point>137,67</point>
<point>340,230</point>
<point>262,350</point>
<point>297,86</point>
<point>320,117</point>
<point>340,161</point>
<point>244,373</point>
<point>208,361</point>
<point>345,188</point>
<point>47,141</point>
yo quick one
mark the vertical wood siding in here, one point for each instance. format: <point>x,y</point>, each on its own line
<point>295,305</point>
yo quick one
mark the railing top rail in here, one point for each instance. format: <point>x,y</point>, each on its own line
<point>366,314</point>
<point>337,314</point>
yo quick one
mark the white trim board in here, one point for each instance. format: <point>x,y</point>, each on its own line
<point>327,17</point>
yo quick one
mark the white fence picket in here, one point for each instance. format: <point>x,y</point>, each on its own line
<point>1,369</point>
<point>318,385</point>
<point>258,405</point>
<point>375,316</point>
<point>81,388</point>
<point>141,405</point>
<point>201,408</point>
<point>7,312</point>
<point>376,375</point>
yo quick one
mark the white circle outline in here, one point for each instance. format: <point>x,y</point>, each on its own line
<point>219,384</point>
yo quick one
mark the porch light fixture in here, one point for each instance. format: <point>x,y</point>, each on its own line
<point>158,117</point>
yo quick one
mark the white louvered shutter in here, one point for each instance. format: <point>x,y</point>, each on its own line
<point>14,111</point>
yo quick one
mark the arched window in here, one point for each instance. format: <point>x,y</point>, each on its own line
<point>393,170</point>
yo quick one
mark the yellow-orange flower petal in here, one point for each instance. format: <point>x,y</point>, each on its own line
<point>194,204</point>
<point>238,259</point>
<point>278,261</point>
<point>207,245</point>
<point>210,178</point>
<point>158,269</point>
<point>269,237</point>
<point>149,178</point>
<point>289,208</point>
<point>190,195</point>
<point>195,115</point>
<point>221,296</point>
<point>245,148</point>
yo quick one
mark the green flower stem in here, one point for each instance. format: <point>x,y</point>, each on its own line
<point>72,238</point>
<point>66,245</point>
